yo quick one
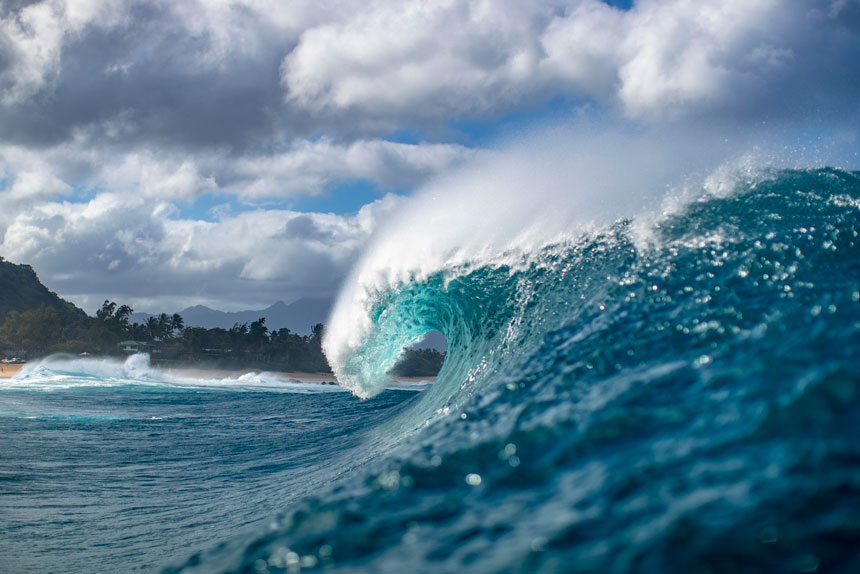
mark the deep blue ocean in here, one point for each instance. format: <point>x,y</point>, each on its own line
<point>677,395</point>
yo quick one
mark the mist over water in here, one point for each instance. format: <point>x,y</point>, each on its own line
<point>548,187</point>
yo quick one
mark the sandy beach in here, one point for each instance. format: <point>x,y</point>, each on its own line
<point>7,371</point>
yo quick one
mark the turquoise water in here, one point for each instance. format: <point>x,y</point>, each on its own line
<point>103,473</point>
<point>675,394</point>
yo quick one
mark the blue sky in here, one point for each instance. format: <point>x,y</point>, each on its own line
<point>234,153</point>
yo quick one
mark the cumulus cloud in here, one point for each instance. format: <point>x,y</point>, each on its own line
<point>243,74</point>
<point>304,168</point>
<point>249,75</point>
<point>139,251</point>
<point>116,116</point>
<point>308,168</point>
<point>660,58</point>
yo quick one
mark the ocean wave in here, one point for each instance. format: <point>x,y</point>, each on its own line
<point>135,372</point>
<point>675,399</point>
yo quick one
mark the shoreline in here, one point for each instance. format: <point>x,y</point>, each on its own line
<point>203,373</point>
<point>8,370</point>
<point>297,376</point>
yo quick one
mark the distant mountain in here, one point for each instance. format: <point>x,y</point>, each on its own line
<point>21,290</point>
<point>299,316</point>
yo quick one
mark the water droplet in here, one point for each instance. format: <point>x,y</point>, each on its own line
<point>389,480</point>
<point>474,479</point>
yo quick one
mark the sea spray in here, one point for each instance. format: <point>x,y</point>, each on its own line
<point>58,372</point>
<point>547,191</point>
<point>677,393</point>
<point>687,402</point>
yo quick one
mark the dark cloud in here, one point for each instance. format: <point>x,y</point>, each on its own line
<point>303,227</point>
<point>151,83</point>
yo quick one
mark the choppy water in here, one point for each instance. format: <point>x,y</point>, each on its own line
<point>670,394</point>
<point>115,467</point>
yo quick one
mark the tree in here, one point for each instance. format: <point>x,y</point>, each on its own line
<point>111,325</point>
<point>34,330</point>
<point>177,323</point>
<point>258,333</point>
<point>237,336</point>
<point>164,326</point>
<point>152,328</point>
<point>113,317</point>
<point>106,312</point>
<point>419,363</point>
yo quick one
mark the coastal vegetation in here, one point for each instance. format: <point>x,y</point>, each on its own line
<point>36,322</point>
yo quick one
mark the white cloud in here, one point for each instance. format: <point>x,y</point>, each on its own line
<point>131,109</point>
<point>310,167</point>
<point>35,35</point>
<point>363,68</point>
<point>427,60</point>
<point>400,60</point>
<point>153,177</point>
<point>122,247</point>
<point>29,185</point>
<point>304,169</point>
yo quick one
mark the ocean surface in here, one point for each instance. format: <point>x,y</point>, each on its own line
<point>669,391</point>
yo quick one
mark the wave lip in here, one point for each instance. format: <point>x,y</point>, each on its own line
<point>504,212</point>
<point>679,398</point>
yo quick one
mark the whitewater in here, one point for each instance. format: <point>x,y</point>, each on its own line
<point>653,366</point>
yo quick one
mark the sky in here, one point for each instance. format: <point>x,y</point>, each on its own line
<point>234,153</point>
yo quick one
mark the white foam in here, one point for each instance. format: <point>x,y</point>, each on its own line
<point>65,371</point>
<point>552,187</point>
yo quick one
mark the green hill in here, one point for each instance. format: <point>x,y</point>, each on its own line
<point>21,290</point>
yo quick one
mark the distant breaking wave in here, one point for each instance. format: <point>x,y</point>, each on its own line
<point>66,371</point>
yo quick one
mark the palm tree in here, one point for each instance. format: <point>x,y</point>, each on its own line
<point>152,328</point>
<point>163,326</point>
<point>177,323</point>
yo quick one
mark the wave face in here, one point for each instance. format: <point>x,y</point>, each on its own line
<point>670,395</point>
